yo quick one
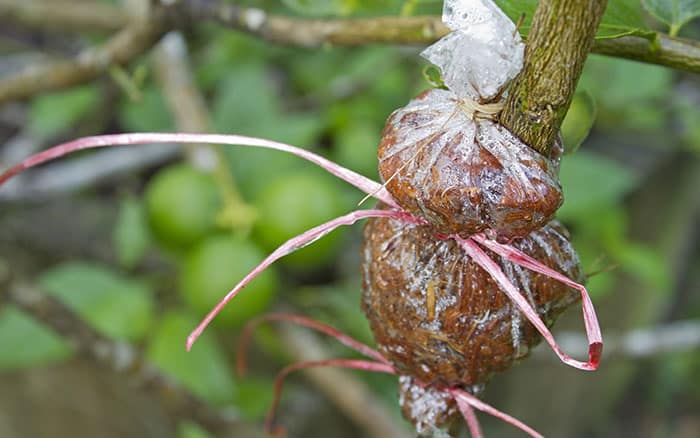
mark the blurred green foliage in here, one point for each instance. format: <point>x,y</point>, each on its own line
<point>204,370</point>
<point>622,17</point>
<point>293,204</point>
<point>16,353</point>
<point>214,266</point>
<point>187,429</point>
<point>147,113</point>
<point>51,115</point>
<point>333,101</point>
<point>674,13</point>
<point>637,104</point>
<point>578,122</point>
<point>131,237</point>
<point>118,306</point>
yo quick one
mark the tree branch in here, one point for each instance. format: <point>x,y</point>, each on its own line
<point>560,38</point>
<point>667,51</point>
<point>675,337</point>
<point>671,52</point>
<point>318,33</point>
<point>67,15</point>
<point>137,38</point>
<point>126,45</point>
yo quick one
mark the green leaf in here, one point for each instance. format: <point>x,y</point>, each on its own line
<point>150,114</point>
<point>622,102</point>
<point>255,397</point>
<point>115,305</point>
<point>226,52</point>
<point>246,103</point>
<point>203,370</point>
<point>614,85</point>
<point>592,182</point>
<point>578,121</point>
<point>188,429</point>
<point>131,237</point>
<point>26,343</point>
<point>356,147</point>
<point>432,76</point>
<point>622,17</point>
<point>516,8</point>
<point>593,260</point>
<point>675,13</point>
<point>646,264</point>
<point>610,227</point>
<point>421,7</point>
<point>51,114</point>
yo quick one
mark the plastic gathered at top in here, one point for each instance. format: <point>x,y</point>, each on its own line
<point>445,158</point>
<point>481,54</point>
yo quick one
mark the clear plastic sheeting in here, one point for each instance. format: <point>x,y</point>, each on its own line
<point>445,158</point>
<point>483,52</point>
<point>465,175</point>
<point>426,407</point>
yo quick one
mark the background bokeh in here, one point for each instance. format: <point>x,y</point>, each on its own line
<point>141,243</point>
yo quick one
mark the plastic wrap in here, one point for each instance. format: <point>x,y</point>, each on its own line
<point>483,52</point>
<point>444,159</point>
<point>440,318</point>
<point>425,407</point>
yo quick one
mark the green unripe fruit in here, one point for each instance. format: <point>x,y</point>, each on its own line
<point>294,204</point>
<point>214,267</point>
<point>181,204</point>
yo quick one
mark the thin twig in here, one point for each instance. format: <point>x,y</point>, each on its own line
<point>347,392</point>
<point>173,70</point>
<point>671,52</point>
<point>676,337</point>
<point>121,358</point>
<point>668,51</point>
<point>64,15</point>
<point>184,100</point>
<point>137,38</point>
<point>125,46</point>
<point>314,33</point>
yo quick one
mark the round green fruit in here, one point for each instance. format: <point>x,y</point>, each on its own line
<point>181,204</point>
<point>293,204</point>
<point>214,267</point>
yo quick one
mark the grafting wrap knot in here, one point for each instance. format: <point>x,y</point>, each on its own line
<point>478,110</point>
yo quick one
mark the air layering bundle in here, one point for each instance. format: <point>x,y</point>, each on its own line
<point>463,267</point>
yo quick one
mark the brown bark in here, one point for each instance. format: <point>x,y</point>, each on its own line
<point>561,36</point>
<point>134,40</point>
